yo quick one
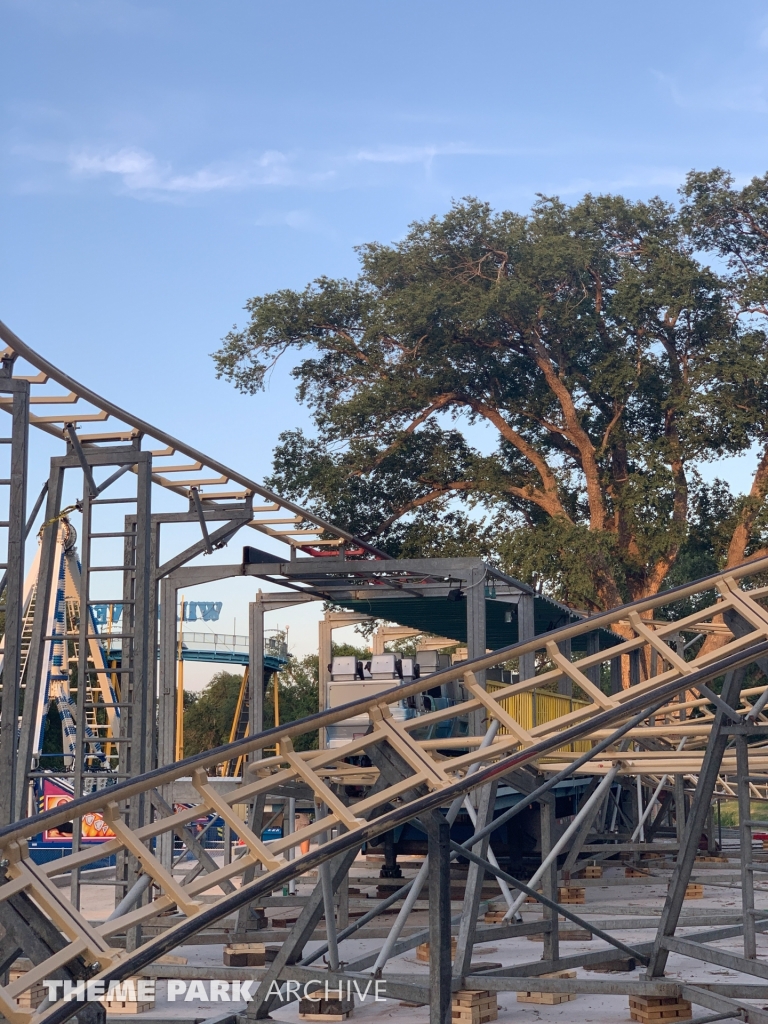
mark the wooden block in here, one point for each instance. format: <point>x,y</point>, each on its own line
<point>663,1014</point>
<point>593,871</point>
<point>422,951</point>
<point>245,954</point>
<point>694,891</point>
<point>574,935</point>
<point>548,998</point>
<point>635,873</point>
<point>31,999</point>
<point>284,922</point>
<point>325,1009</point>
<point>494,916</point>
<point>127,1006</point>
<point>619,966</point>
<point>652,1002</point>
<point>565,935</point>
<point>458,890</point>
<point>571,894</point>
<point>474,1007</point>
<point>657,1009</point>
<point>711,860</point>
<point>544,998</point>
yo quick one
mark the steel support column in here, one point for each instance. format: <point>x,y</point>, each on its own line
<point>256,669</point>
<point>473,892</point>
<point>439,921</point>
<point>526,630</point>
<point>549,878</point>
<point>476,639</point>
<point>695,825</point>
<point>37,646</point>
<point>12,596</point>
<point>745,836</point>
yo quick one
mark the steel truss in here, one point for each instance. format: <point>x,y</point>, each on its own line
<point>411,784</point>
<point>689,727</point>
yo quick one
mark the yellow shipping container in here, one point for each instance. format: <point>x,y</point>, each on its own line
<point>535,707</point>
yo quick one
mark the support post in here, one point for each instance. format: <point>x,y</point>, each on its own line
<point>473,892</point>
<point>166,698</point>
<point>38,645</point>
<point>593,647</point>
<point>13,595</point>
<point>325,651</point>
<point>256,670</point>
<point>526,630</point>
<point>390,867</point>
<point>549,878</point>
<point>616,674</point>
<point>679,807</point>
<point>476,638</point>
<point>710,767</point>
<point>634,668</point>
<point>439,921</point>
<point>745,837</point>
<point>564,683</point>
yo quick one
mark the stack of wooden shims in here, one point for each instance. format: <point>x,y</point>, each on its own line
<point>694,891</point>
<point>129,1005</point>
<point>31,999</point>
<point>474,1007</point>
<point>325,1009</point>
<point>494,916</point>
<point>245,954</point>
<point>548,998</point>
<point>571,894</point>
<point>657,1009</point>
<point>422,951</point>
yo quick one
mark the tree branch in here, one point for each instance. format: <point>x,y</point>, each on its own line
<point>741,534</point>
<point>549,498</point>
<point>576,434</point>
<point>439,403</point>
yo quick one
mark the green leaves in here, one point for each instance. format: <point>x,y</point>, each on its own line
<point>537,386</point>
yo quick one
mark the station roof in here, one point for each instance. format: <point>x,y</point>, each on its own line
<point>428,594</point>
<point>449,618</point>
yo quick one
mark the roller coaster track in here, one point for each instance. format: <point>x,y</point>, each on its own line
<point>203,479</point>
<point>410,777</point>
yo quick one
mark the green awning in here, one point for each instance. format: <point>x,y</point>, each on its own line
<point>449,618</point>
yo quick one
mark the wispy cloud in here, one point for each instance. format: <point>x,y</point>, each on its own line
<point>140,172</point>
<point>748,96</point>
<point>394,154</point>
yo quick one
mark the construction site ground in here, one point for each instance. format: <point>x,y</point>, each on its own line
<point>628,907</point>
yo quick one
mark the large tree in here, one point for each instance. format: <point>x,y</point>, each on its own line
<point>603,356</point>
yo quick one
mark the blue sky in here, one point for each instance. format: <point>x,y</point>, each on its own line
<point>164,161</point>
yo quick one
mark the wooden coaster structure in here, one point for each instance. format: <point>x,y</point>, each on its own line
<point>690,721</point>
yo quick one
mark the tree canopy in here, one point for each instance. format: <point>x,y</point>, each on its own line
<point>608,348</point>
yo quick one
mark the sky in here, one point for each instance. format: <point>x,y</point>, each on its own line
<point>162,162</point>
